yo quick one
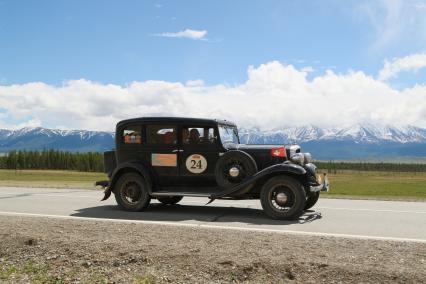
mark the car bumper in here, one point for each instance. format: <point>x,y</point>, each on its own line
<point>324,186</point>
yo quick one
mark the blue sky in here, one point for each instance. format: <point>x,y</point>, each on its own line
<point>115,42</point>
<point>64,44</point>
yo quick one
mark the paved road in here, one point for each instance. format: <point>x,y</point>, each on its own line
<point>387,220</point>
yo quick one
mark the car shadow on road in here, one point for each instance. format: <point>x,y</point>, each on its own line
<point>175,213</point>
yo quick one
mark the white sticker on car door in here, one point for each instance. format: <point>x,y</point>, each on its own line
<point>196,163</point>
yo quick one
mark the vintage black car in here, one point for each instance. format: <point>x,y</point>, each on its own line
<point>167,158</point>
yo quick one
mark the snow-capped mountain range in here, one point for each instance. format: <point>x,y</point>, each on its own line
<point>39,138</point>
<point>356,142</point>
<point>357,133</point>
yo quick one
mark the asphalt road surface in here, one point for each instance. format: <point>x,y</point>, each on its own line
<point>367,219</point>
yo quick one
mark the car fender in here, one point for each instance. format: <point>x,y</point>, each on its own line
<point>284,168</point>
<point>138,167</point>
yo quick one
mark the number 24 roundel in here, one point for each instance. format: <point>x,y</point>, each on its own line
<point>196,163</point>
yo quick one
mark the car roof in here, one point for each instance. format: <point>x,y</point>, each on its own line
<point>179,120</point>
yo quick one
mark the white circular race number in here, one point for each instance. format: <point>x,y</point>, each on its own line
<point>196,164</point>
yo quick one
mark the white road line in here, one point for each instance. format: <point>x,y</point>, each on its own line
<point>203,225</point>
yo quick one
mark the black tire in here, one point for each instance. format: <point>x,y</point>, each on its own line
<point>131,192</point>
<point>235,158</point>
<point>170,200</point>
<point>292,203</point>
<point>311,200</point>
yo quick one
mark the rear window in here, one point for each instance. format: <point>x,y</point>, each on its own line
<point>132,135</point>
<point>161,134</point>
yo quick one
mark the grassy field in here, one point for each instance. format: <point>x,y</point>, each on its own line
<point>382,185</point>
<point>379,185</point>
<point>49,178</point>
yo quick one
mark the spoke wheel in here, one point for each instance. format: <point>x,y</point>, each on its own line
<point>283,198</point>
<point>238,166</point>
<point>234,167</point>
<point>131,192</point>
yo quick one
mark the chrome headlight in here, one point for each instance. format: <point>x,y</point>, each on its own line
<point>308,158</point>
<point>294,149</point>
<point>298,158</point>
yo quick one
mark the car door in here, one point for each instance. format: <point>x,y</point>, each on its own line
<point>161,149</point>
<point>198,154</point>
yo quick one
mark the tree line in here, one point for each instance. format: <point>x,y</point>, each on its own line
<point>53,160</point>
<point>93,162</point>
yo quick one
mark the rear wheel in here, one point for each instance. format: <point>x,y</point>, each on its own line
<point>170,200</point>
<point>311,200</point>
<point>283,198</point>
<point>131,192</point>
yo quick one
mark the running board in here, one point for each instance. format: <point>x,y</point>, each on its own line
<point>172,193</point>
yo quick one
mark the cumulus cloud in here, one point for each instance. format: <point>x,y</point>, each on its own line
<point>412,62</point>
<point>274,95</point>
<point>187,33</point>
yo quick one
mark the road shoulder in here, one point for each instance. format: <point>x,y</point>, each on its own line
<point>74,250</point>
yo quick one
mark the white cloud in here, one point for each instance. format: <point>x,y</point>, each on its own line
<point>27,123</point>
<point>412,62</point>
<point>394,21</point>
<point>274,95</point>
<point>187,33</point>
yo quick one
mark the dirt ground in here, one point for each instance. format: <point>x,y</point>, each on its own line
<point>47,250</point>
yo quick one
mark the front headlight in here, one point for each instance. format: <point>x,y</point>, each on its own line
<point>298,158</point>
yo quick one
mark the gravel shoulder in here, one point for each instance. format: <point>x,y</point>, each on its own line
<point>71,251</point>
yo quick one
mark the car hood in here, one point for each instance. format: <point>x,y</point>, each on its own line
<point>244,147</point>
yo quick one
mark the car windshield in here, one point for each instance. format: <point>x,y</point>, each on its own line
<point>228,134</point>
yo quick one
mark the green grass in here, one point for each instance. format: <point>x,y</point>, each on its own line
<point>380,185</point>
<point>49,178</point>
<point>145,279</point>
<point>37,273</point>
<point>32,272</point>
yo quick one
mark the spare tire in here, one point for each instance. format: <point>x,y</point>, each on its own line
<point>234,167</point>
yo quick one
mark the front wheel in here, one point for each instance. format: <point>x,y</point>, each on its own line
<point>131,192</point>
<point>170,200</point>
<point>283,198</point>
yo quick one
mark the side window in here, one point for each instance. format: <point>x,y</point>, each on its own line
<point>198,135</point>
<point>161,134</point>
<point>132,135</point>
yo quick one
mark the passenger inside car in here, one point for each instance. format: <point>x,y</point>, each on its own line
<point>194,136</point>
